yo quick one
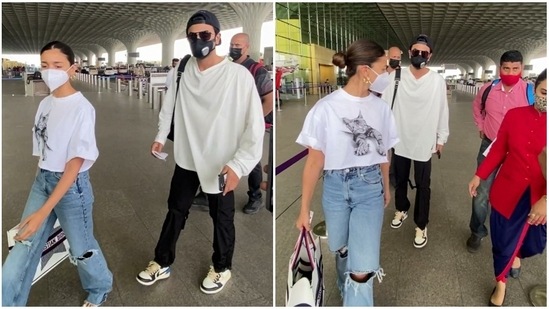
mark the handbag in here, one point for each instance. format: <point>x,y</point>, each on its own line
<point>305,273</point>
<point>55,251</point>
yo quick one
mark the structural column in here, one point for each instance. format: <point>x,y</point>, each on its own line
<point>168,42</point>
<point>90,58</point>
<point>112,55</point>
<point>131,48</point>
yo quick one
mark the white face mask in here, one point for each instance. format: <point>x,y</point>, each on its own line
<point>55,78</point>
<point>381,82</point>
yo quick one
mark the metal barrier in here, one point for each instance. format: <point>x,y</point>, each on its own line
<point>297,94</point>
<point>158,95</point>
<point>468,88</point>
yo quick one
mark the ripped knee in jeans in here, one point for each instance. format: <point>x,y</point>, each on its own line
<point>83,258</point>
<point>365,276</point>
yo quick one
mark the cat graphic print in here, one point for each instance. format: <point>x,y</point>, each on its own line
<point>362,132</point>
<point>41,134</point>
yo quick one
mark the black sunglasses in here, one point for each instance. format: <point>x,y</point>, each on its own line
<point>204,36</point>
<point>423,53</point>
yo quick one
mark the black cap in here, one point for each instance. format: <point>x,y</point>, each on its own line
<point>422,39</point>
<point>204,17</point>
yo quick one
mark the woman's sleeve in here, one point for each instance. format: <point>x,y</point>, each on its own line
<point>313,133</point>
<point>82,143</point>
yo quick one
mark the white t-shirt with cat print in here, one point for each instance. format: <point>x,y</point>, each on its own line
<point>64,128</point>
<point>350,131</point>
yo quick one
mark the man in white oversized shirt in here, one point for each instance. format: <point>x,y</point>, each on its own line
<point>421,113</point>
<point>218,135</point>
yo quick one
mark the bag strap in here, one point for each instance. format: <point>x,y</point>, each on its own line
<point>253,69</point>
<point>530,96</point>
<point>180,70</point>
<point>397,80</point>
<point>485,97</point>
<point>304,236</point>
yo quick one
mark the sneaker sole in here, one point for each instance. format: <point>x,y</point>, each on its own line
<point>147,283</point>
<point>420,246</point>
<point>211,292</point>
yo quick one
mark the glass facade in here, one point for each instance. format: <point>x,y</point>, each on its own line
<point>308,34</point>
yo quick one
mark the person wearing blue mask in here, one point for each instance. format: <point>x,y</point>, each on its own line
<point>348,134</point>
<point>64,141</point>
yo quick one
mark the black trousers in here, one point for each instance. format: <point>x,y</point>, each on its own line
<point>182,191</point>
<point>254,181</point>
<point>422,178</point>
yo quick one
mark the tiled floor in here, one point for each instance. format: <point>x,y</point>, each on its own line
<point>443,273</point>
<point>131,190</point>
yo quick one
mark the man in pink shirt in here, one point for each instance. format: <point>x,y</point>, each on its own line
<point>508,93</point>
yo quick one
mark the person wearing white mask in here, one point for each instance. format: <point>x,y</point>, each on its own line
<point>348,134</point>
<point>421,113</point>
<point>64,141</point>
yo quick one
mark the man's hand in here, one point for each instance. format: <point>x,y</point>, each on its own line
<point>439,148</point>
<point>481,134</point>
<point>232,179</point>
<point>156,146</point>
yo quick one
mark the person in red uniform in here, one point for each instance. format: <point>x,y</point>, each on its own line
<point>518,195</point>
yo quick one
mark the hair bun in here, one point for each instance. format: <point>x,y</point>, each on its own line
<point>339,59</point>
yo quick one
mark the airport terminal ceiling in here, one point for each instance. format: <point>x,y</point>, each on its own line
<point>26,27</point>
<point>468,33</point>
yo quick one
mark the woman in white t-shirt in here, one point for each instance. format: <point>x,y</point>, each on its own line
<point>64,140</point>
<point>348,134</point>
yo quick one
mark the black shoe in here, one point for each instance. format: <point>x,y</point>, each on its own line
<point>514,272</point>
<point>252,207</point>
<point>201,201</point>
<point>491,304</point>
<point>473,243</point>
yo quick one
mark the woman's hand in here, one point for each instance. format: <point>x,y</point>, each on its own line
<point>303,221</point>
<point>538,213</point>
<point>473,185</point>
<point>30,225</point>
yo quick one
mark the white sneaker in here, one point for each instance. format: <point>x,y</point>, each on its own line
<point>214,282</point>
<point>152,273</point>
<point>400,216</point>
<point>421,238</point>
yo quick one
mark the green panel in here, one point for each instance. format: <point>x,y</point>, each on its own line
<point>282,45</point>
<point>281,28</point>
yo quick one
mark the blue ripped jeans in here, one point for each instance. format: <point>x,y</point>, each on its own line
<point>353,203</point>
<point>74,212</point>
